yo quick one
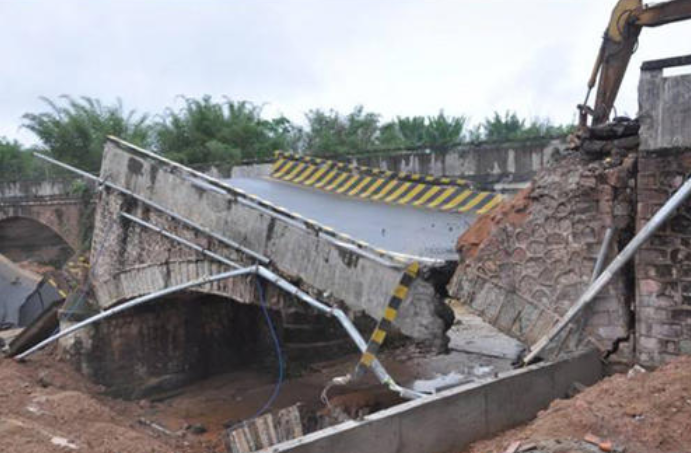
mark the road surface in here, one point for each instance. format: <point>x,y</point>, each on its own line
<point>401,229</point>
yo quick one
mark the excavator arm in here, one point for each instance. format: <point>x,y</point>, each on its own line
<point>618,45</point>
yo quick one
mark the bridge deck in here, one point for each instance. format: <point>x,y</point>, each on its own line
<point>400,229</point>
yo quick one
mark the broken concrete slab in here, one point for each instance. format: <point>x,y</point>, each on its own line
<point>24,295</point>
<point>333,266</point>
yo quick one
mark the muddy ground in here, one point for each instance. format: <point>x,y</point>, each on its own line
<point>46,406</point>
<point>638,412</point>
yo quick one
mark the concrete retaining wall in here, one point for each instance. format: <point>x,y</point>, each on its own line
<point>451,420</point>
<point>665,110</point>
<point>258,170</point>
<point>486,164</point>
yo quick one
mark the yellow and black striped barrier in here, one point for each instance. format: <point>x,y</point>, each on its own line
<point>378,172</point>
<point>377,185</point>
<point>390,313</point>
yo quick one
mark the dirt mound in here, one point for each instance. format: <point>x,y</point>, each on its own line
<point>644,412</point>
<point>513,212</point>
<point>45,406</point>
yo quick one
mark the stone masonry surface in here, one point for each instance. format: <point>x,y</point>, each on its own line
<point>527,273</point>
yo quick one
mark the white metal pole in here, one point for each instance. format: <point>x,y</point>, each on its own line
<point>133,303</point>
<point>615,266</point>
<point>156,206</point>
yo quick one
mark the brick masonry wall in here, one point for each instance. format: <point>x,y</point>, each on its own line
<point>183,338</point>
<point>539,259</point>
<point>663,264</point>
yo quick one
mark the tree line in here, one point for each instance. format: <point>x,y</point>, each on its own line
<point>205,131</point>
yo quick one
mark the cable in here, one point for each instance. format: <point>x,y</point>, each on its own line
<point>279,354</point>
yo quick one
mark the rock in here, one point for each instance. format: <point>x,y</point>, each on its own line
<point>196,428</point>
<point>635,371</point>
<point>630,143</point>
<point>614,130</point>
<point>594,148</point>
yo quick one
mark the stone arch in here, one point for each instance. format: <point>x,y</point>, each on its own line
<point>173,341</point>
<point>27,238</point>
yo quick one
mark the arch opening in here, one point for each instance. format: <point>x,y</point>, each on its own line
<point>26,239</point>
<point>177,340</point>
<point>191,336</point>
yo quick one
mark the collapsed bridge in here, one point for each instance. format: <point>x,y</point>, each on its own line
<point>181,206</point>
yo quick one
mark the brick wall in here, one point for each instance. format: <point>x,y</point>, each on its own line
<point>663,264</point>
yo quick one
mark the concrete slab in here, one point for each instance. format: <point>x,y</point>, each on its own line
<point>401,229</point>
<point>16,284</point>
<point>336,267</point>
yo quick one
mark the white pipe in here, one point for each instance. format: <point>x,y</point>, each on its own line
<point>133,303</point>
<point>629,251</point>
<point>378,369</point>
<point>604,248</point>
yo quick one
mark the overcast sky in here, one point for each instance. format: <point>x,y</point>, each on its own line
<point>395,57</point>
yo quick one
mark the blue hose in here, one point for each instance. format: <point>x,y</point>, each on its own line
<point>279,354</point>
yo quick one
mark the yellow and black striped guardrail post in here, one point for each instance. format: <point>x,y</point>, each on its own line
<point>443,194</point>
<point>55,285</point>
<point>390,313</point>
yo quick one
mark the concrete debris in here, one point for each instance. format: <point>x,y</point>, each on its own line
<point>513,448</point>
<point>62,442</point>
<point>635,371</point>
<point>265,431</point>
<point>440,383</point>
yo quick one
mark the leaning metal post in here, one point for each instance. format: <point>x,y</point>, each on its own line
<point>629,251</point>
<point>602,255</point>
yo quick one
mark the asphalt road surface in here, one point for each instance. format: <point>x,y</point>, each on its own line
<point>401,229</point>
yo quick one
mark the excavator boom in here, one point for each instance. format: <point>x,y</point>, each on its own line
<point>618,45</point>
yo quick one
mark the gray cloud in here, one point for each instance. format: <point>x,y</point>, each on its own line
<point>393,56</point>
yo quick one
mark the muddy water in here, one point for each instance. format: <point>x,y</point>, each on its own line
<point>226,400</point>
